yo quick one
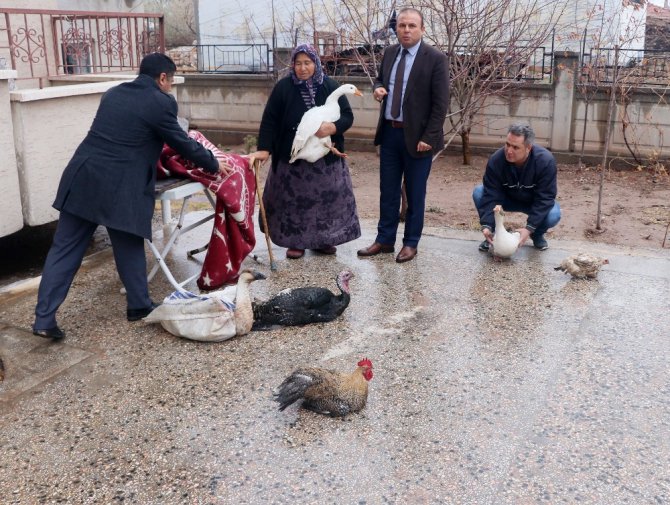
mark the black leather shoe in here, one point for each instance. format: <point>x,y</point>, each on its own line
<point>137,314</point>
<point>54,333</point>
<point>327,249</point>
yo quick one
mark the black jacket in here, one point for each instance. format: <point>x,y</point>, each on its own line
<point>426,100</point>
<point>284,111</point>
<point>111,177</point>
<point>533,185</point>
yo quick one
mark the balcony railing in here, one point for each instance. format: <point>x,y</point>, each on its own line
<point>40,44</point>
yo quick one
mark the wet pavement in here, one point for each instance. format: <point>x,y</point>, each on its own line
<point>500,383</point>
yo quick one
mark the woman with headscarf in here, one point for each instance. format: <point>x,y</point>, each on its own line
<point>308,205</point>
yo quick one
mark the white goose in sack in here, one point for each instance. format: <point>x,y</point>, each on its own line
<point>505,243</point>
<point>211,317</point>
<point>306,145</point>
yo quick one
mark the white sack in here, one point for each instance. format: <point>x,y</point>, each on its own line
<point>206,318</point>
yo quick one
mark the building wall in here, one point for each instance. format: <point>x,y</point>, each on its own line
<point>11,218</point>
<point>251,21</point>
<point>101,5</point>
<point>48,126</point>
<point>79,5</point>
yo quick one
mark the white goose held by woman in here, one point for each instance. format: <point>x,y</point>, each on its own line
<point>306,145</point>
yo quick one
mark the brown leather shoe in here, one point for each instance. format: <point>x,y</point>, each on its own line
<point>407,253</point>
<point>375,249</point>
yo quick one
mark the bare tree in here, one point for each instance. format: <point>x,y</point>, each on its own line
<point>180,29</point>
<point>610,113</point>
<point>623,74</point>
<point>493,46</point>
<point>589,75</point>
<point>368,32</point>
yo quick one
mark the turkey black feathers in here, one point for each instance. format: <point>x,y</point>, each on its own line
<point>304,305</point>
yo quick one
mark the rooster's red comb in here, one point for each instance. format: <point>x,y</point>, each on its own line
<point>365,363</point>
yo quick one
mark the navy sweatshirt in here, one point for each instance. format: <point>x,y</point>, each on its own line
<point>533,185</point>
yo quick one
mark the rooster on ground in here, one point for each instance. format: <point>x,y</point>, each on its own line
<point>326,391</point>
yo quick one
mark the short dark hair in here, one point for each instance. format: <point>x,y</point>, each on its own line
<point>155,64</point>
<point>411,9</point>
<point>526,130</point>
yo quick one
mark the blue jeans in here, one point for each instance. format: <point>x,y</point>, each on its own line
<point>550,221</point>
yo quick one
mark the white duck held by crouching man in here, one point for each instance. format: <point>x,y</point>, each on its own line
<point>504,243</point>
<point>306,145</point>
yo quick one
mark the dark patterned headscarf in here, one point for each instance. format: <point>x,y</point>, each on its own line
<point>309,87</point>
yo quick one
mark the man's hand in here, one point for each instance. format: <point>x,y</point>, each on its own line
<point>326,130</point>
<point>380,93</point>
<point>224,168</point>
<point>488,235</point>
<point>525,233</point>
<point>422,146</point>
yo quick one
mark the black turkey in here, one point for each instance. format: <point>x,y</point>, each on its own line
<point>298,306</point>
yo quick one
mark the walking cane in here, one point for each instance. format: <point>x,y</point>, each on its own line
<point>259,192</point>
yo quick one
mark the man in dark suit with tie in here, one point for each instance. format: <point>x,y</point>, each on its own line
<point>110,181</point>
<point>413,86</point>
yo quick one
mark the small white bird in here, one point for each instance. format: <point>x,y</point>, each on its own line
<point>582,265</point>
<point>306,145</point>
<point>505,243</point>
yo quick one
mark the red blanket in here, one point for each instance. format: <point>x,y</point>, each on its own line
<point>233,234</point>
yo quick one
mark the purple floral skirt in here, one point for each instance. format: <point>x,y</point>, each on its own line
<point>311,205</point>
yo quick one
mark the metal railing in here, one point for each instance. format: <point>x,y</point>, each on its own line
<point>223,58</point>
<point>532,64</point>
<point>643,67</point>
<point>44,43</point>
<point>496,63</point>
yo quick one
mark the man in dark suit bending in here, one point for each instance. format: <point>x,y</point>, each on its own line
<point>110,181</point>
<point>413,87</point>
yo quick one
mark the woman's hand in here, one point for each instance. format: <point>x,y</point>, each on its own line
<point>258,155</point>
<point>326,130</point>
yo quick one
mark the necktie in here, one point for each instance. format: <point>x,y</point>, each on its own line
<point>397,87</point>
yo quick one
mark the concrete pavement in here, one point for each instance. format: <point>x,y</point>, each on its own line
<point>495,383</point>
